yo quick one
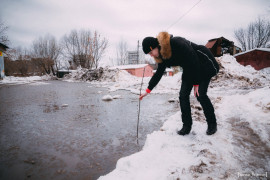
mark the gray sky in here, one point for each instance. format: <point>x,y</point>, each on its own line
<point>130,20</point>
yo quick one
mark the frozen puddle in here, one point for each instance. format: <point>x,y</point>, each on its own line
<point>66,131</point>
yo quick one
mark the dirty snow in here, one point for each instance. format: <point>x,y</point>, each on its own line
<point>33,80</point>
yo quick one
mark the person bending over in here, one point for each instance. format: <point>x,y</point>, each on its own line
<point>199,66</point>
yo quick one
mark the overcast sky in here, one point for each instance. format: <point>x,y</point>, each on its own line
<point>129,20</point>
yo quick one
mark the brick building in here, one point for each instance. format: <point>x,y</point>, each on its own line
<point>137,69</point>
<point>258,58</point>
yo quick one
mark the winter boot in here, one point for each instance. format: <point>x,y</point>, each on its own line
<point>185,130</point>
<point>212,129</point>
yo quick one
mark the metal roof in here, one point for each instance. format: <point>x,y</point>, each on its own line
<point>210,44</point>
<point>258,49</point>
<point>3,46</point>
<point>130,66</point>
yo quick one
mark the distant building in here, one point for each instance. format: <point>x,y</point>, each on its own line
<point>133,57</point>
<point>137,69</point>
<point>258,58</point>
<point>220,46</point>
<point>2,66</point>
<point>167,72</point>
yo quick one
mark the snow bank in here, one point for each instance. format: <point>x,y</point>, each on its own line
<point>83,74</point>
<point>124,80</point>
<point>232,75</point>
<point>110,98</point>
<point>33,80</point>
<point>235,75</point>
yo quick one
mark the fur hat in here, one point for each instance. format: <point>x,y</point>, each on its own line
<point>149,43</point>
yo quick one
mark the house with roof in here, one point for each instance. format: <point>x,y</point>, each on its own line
<point>220,46</point>
<point>167,72</point>
<point>258,58</point>
<point>137,69</point>
<point>3,48</point>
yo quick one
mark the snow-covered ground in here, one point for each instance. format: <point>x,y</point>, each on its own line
<point>243,129</point>
<point>239,150</point>
<point>33,80</point>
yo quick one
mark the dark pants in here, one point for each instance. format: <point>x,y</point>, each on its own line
<point>205,102</point>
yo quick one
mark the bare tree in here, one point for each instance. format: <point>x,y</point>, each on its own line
<point>121,51</point>
<point>81,48</point>
<point>98,48</point>
<point>76,46</point>
<point>255,36</point>
<point>18,53</point>
<point>240,36</point>
<point>22,66</point>
<point>3,33</point>
<point>44,64</point>
<point>46,52</point>
<point>9,69</point>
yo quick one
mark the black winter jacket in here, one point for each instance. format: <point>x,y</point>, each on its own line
<point>197,61</point>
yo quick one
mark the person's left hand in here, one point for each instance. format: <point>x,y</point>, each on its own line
<point>196,91</point>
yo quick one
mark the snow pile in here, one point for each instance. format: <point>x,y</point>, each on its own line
<point>100,74</point>
<point>124,80</point>
<point>224,155</point>
<point>234,74</point>
<point>169,84</point>
<point>117,97</point>
<point>34,80</point>
<point>110,98</point>
<point>231,75</point>
<point>107,98</point>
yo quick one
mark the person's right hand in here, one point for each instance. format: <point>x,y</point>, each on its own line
<point>143,95</point>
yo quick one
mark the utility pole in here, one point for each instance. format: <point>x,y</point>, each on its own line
<point>138,46</point>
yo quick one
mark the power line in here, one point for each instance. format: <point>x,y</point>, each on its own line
<point>183,15</point>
